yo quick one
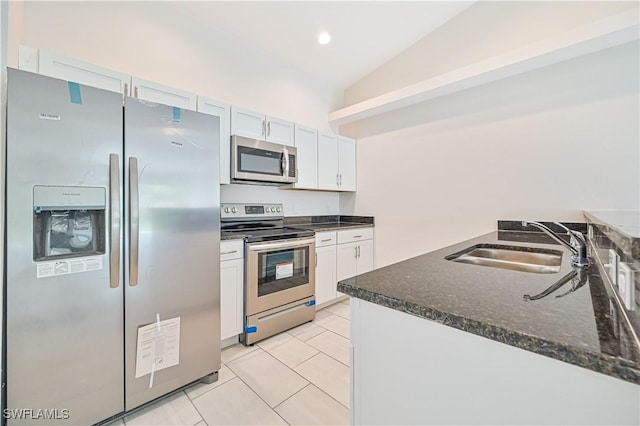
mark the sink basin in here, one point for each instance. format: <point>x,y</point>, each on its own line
<point>524,259</point>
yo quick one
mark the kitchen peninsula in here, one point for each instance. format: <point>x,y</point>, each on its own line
<point>442,342</point>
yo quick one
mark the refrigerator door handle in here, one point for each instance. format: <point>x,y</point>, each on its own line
<point>134,220</point>
<point>114,192</point>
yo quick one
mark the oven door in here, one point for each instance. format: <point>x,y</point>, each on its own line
<point>279,272</point>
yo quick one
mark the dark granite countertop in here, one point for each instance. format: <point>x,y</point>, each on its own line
<point>224,236</point>
<point>581,327</point>
<point>620,226</point>
<point>329,223</point>
<point>321,227</point>
<point>316,223</point>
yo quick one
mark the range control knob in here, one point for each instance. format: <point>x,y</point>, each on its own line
<point>226,209</point>
<point>234,210</point>
<point>278,209</point>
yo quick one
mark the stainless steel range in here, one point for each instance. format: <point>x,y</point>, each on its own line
<point>279,283</point>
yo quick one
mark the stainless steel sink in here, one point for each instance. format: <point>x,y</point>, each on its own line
<point>524,259</point>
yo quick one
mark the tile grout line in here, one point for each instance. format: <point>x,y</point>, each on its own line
<point>322,390</point>
<point>288,398</point>
<point>259,397</point>
<point>329,355</point>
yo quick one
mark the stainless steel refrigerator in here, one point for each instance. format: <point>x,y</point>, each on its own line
<point>112,251</point>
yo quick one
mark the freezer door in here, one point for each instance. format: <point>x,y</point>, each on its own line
<point>172,250</point>
<point>64,314</point>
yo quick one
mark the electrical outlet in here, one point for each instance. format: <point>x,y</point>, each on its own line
<point>626,285</point>
<point>614,259</point>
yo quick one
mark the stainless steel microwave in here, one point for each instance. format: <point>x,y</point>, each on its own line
<point>259,161</point>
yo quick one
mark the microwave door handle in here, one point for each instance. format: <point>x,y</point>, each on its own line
<point>285,158</point>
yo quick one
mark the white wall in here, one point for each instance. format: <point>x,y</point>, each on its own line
<point>486,29</point>
<point>295,202</point>
<point>158,41</point>
<point>543,145</point>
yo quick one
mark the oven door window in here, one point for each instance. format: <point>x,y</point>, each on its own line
<point>282,269</point>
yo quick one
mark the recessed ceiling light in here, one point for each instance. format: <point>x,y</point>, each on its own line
<point>324,38</point>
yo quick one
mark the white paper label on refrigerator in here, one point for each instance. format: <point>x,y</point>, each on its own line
<point>158,346</point>
<point>68,266</point>
<point>284,270</point>
<point>46,116</point>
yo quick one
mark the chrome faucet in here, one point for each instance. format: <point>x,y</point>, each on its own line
<point>577,246</point>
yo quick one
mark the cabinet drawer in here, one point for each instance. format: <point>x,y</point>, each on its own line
<point>231,249</point>
<point>351,235</point>
<point>326,238</point>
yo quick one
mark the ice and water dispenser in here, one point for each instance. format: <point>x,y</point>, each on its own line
<point>68,221</point>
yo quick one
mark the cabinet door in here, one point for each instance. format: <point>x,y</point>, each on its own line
<point>346,261</point>
<point>327,161</point>
<point>306,142</point>
<point>347,163</point>
<point>54,65</point>
<point>247,123</point>
<point>231,297</point>
<point>365,256</point>
<point>221,110</point>
<point>280,131</point>
<point>161,94</point>
<point>325,274</point>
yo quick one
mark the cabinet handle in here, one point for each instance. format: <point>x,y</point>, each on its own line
<point>268,128</point>
<point>325,241</point>
<point>337,179</point>
<point>228,252</point>
<point>135,91</point>
<point>358,252</point>
<point>126,89</point>
<point>264,128</point>
<point>316,260</point>
<point>340,179</point>
<point>357,236</point>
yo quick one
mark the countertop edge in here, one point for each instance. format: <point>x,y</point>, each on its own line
<point>612,366</point>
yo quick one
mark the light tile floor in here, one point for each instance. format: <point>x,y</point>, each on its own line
<point>299,377</point>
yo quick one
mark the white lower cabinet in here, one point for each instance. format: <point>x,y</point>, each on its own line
<point>354,252</point>
<point>231,288</point>
<point>326,282</point>
<point>340,255</point>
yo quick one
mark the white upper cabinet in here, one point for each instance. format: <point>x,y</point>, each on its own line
<point>255,125</point>
<point>347,163</point>
<point>306,142</point>
<point>279,131</point>
<point>161,94</point>
<point>336,162</point>
<point>221,110</point>
<point>58,66</point>
<point>328,161</point>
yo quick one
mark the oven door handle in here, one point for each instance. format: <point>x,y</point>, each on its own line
<point>288,244</point>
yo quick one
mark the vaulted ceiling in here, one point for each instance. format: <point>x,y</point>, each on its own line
<point>364,34</point>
